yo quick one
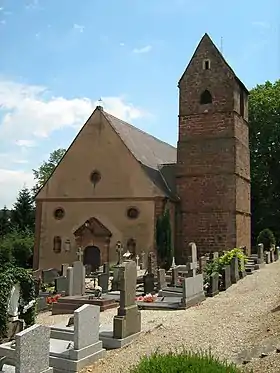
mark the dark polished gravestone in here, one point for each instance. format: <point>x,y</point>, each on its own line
<point>149,283</point>
<point>225,282</point>
<point>213,288</point>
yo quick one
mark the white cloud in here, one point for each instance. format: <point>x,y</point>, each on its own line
<point>28,116</point>
<point>145,49</point>
<point>79,28</point>
<point>21,161</point>
<point>25,143</point>
<point>11,182</point>
<point>3,22</point>
<point>121,44</point>
<point>261,24</point>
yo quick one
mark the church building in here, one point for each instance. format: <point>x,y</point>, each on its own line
<point>115,180</point>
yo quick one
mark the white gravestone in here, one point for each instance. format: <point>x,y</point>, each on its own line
<point>79,278</point>
<point>194,264</point>
<point>13,302</point>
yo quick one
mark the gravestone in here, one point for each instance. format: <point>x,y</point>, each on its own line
<point>202,264</point>
<point>49,275</point>
<point>30,353</point>
<point>174,276</point>
<point>83,331</point>
<point>214,255</point>
<point>193,292</point>
<point>242,272</point>
<point>149,283</point>
<point>64,267</point>
<point>276,254</point>
<point>79,276</point>
<point>226,278</point>
<point>61,285</point>
<point>115,280</point>
<point>161,279</point>
<point>84,317</point>
<point>119,250</point>
<point>193,287</point>
<point>142,260</point>
<point>267,257</point>
<point>260,253</point>
<point>234,271</point>
<point>128,320</point>
<point>272,258</point>
<point>152,263</point>
<point>193,265</point>
<point>106,268</point>
<point>103,278</point>
<point>70,281</point>
<point>214,285</point>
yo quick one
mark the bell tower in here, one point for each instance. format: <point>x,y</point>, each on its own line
<point>213,158</point>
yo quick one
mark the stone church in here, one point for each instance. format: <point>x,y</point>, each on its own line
<point>115,180</point>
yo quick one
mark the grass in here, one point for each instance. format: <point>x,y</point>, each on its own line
<point>183,362</point>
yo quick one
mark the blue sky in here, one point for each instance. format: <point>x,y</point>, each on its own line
<point>59,56</point>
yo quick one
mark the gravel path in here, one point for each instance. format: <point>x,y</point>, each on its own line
<point>226,323</point>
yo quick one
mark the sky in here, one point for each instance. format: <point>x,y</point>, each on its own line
<point>58,57</point>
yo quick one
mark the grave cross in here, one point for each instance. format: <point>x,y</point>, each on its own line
<point>119,250</point>
<point>193,264</point>
<point>80,254</point>
<point>137,261</point>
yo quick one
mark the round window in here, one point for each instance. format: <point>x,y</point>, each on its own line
<point>132,213</point>
<point>95,177</point>
<point>59,213</point>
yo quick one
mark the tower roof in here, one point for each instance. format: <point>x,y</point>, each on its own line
<point>206,40</point>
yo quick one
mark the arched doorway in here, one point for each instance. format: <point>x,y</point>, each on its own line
<point>92,258</point>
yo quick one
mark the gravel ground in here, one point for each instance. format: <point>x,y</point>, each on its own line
<point>229,323</point>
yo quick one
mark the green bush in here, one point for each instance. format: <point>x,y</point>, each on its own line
<point>10,275</point>
<point>266,237</point>
<point>217,265</point>
<point>183,362</point>
<point>16,248</point>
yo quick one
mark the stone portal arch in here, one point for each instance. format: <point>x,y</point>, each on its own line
<point>94,238</point>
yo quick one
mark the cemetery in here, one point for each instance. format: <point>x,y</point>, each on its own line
<point>83,340</point>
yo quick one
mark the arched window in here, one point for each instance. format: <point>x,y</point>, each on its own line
<point>205,98</point>
<point>57,242</point>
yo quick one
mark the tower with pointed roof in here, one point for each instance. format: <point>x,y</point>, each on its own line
<point>213,159</point>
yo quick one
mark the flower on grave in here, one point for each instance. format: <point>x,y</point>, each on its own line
<point>53,299</point>
<point>149,298</point>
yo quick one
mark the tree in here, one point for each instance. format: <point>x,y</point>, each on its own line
<point>266,237</point>
<point>264,126</point>
<point>164,240</point>
<point>16,248</point>
<point>5,224</point>
<point>46,169</point>
<point>23,213</point>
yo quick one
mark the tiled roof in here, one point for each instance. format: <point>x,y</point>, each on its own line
<point>146,148</point>
<point>150,152</point>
